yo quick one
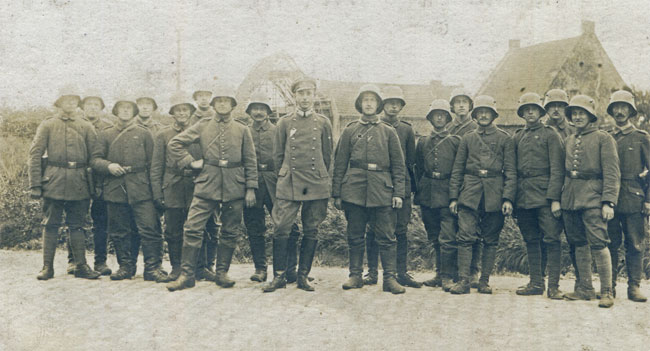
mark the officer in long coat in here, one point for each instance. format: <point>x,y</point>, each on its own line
<point>227,181</point>
<point>124,159</point>
<point>482,188</point>
<point>68,141</point>
<point>634,197</point>
<point>302,155</point>
<point>591,188</point>
<point>434,159</point>
<point>540,176</point>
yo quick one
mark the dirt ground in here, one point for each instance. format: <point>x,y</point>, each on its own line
<point>74,314</point>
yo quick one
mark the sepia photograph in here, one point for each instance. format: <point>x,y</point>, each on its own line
<point>324,175</point>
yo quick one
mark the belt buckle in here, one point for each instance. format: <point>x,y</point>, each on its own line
<point>127,169</point>
<point>372,166</point>
<point>223,163</point>
<point>263,166</point>
<point>483,173</point>
<point>574,174</point>
<point>72,164</point>
<point>436,175</point>
<point>188,172</point>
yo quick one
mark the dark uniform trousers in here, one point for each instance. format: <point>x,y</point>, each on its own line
<point>586,227</point>
<point>474,226</point>
<point>137,219</point>
<point>312,214</point>
<point>402,219</point>
<point>98,213</point>
<point>630,225</point>
<point>441,226</point>
<point>382,221</point>
<point>75,214</point>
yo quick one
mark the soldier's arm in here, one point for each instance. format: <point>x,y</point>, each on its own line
<point>92,142</point>
<point>419,160</point>
<point>178,145</point>
<point>249,160</point>
<point>611,170</point>
<point>341,159</point>
<point>556,165</point>
<point>148,148</point>
<point>509,170</point>
<point>327,143</point>
<point>157,165</point>
<point>645,154</point>
<point>279,141</point>
<point>36,151</point>
<point>98,161</point>
<point>397,164</point>
<point>458,170</point>
<point>409,157</point>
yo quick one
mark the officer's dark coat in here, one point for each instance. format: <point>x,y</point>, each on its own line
<point>634,155</point>
<point>407,141</point>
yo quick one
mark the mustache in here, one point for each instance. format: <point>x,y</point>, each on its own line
<point>620,115</point>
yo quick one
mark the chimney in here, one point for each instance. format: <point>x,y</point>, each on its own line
<point>588,27</point>
<point>514,43</point>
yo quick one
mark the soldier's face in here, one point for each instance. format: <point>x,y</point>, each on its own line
<point>69,104</point>
<point>392,107</point>
<point>621,112</point>
<point>146,107</point>
<point>203,99</point>
<point>259,113</point>
<point>579,117</point>
<point>305,98</point>
<point>439,119</point>
<point>181,114</point>
<point>555,110</point>
<point>92,107</point>
<point>223,105</point>
<point>369,104</point>
<point>125,111</point>
<point>484,116</point>
<point>461,105</point>
<point>531,114</point>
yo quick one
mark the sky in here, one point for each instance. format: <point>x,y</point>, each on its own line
<point>119,48</point>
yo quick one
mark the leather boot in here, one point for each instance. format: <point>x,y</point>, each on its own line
<point>437,280</point>
<point>634,263</point>
<point>388,263</point>
<point>258,251</point>
<point>372,253</point>
<point>356,267</point>
<point>615,264</point>
<point>102,268</point>
<point>279,265</point>
<point>553,267</point>
<point>292,257</point>
<point>448,264</point>
<point>307,252</point>
<point>189,258</point>
<point>136,242</point>
<point>604,265</point>
<point>78,245</point>
<point>475,269</point>
<point>574,262</point>
<point>487,265</point>
<point>152,253</point>
<point>211,253</point>
<point>536,284</point>
<point>124,259</point>
<point>585,289</point>
<point>71,264</point>
<point>634,293</point>
<point>175,248</point>
<point>50,238</point>
<point>464,262</point>
<point>224,257</point>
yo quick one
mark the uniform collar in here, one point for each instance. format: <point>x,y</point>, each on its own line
<point>626,129</point>
<point>221,119</point>
<point>301,113</point>
<point>393,123</point>
<point>96,122</point>
<point>70,117</point>
<point>264,126</point>
<point>209,113</point>
<point>535,126</point>
<point>590,128</point>
<point>120,127</point>
<point>486,130</point>
<point>457,123</point>
<point>440,135</point>
<point>560,125</point>
<point>374,119</point>
<point>146,123</point>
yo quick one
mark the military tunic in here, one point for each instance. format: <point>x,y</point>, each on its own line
<point>456,127</point>
<point>202,114</point>
<point>150,124</point>
<point>564,128</point>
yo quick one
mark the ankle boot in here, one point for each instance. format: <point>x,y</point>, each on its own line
<point>279,265</point>
<point>224,257</point>
<point>258,251</point>
<point>634,271</point>
<point>50,238</point>
<point>189,259</point>
<point>585,289</point>
<point>356,267</point>
<point>372,253</point>
<point>487,265</point>
<point>307,252</point>
<point>388,263</point>
<point>292,255</point>
<point>78,246</point>
<point>152,253</point>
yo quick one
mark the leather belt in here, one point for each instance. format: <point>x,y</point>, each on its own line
<point>630,177</point>
<point>369,166</point>
<point>484,173</point>
<point>533,172</point>
<point>180,172</point>
<point>265,167</point>
<point>437,175</point>
<point>583,175</point>
<point>222,163</point>
<point>134,169</point>
<point>69,164</point>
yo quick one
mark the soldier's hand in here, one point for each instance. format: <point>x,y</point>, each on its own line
<point>608,212</point>
<point>397,202</point>
<point>36,193</point>
<point>250,196</point>
<point>506,208</point>
<point>338,203</point>
<point>646,208</point>
<point>116,170</point>
<point>198,164</point>
<point>453,207</point>
<point>556,209</point>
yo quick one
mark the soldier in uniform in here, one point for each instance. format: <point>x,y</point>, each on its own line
<point>634,197</point>
<point>228,179</point>
<point>540,176</point>
<point>591,186</point>
<point>68,140</point>
<point>481,189</point>
<point>302,154</point>
<point>393,104</point>
<point>434,159</point>
<point>462,105</point>
<point>173,186</point>
<point>124,158</point>
<point>368,184</point>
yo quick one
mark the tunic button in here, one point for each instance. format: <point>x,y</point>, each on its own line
<point>314,138</point>
<point>293,158</point>
<point>293,168</point>
<point>293,148</point>
<point>313,148</point>
<point>313,158</point>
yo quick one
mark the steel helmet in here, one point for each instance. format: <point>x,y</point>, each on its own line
<point>180,98</point>
<point>485,101</point>
<point>439,105</point>
<point>224,91</point>
<point>126,99</point>
<point>460,92</point>
<point>369,88</point>
<point>259,97</point>
<point>203,85</point>
<point>530,99</point>
<point>148,95</point>
<point>93,94</point>
<point>584,102</point>
<point>67,90</point>
<point>621,96</point>
<point>303,83</point>
<point>393,92</point>
<point>556,95</point>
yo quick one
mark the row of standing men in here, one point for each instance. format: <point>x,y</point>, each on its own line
<point>466,176</point>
